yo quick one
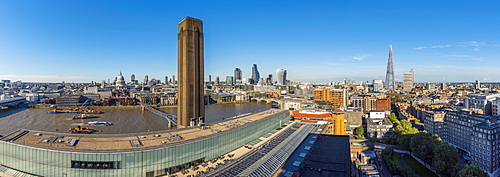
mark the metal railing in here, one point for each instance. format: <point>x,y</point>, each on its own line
<point>171,118</point>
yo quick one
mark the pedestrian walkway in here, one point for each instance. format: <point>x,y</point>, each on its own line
<point>383,170</point>
<point>402,161</point>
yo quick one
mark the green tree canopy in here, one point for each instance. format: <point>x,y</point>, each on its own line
<point>445,158</point>
<point>404,141</point>
<point>388,151</point>
<point>404,127</point>
<point>392,117</point>
<point>397,99</point>
<point>360,131</point>
<point>471,170</point>
<point>423,144</point>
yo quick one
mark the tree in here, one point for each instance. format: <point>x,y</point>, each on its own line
<point>360,131</point>
<point>397,99</point>
<point>404,141</point>
<point>423,144</point>
<point>392,117</point>
<point>405,127</point>
<point>388,151</point>
<point>402,132</point>
<point>471,170</point>
<point>445,158</point>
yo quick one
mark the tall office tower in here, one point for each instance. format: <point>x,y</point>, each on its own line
<point>210,79</point>
<point>190,71</point>
<point>103,84</point>
<point>255,74</point>
<point>237,76</point>
<point>217,81</point>
<point>390,83</point>
<point>270,79</point>
<point>408,79</point>
<point>443,86</point>
<point>281,73</point>
<point>166,80</point>
<point>250,80</point>
<point>173,80</point>
<point>146,80</point>
<point>132,78</point>
<point>229,80</point>
<point>377,85</point>
<point>477,86</point>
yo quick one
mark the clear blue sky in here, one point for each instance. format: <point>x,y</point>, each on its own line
<point>318,41</point>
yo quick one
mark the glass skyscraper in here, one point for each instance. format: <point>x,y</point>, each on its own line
<point>255,74</point>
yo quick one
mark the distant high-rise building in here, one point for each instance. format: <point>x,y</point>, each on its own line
<point>250,81</point>
<point>255,74</point>
<point>229,80</point>
<point>408,79</point>
<point>190,71</point>
<point>262,81</point>
<point>153,81</point>
<point>210,79</point>
<point>146,80</point>
<point>237,75</point>
<point>477,86</point>
<point>281,74</point>
<point>377,85</point>
<point>173,80</point>
<point>270,79</point>
<point>390,83</point>
<point>217,80</point>
<point>443,86</point>
<point>166,80</point>
<point>132,78</point>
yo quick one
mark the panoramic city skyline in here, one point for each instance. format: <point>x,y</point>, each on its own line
<point>450,41</point>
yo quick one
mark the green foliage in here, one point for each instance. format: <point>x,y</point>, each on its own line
<point>360,130</point>
<point>388,151</point>
<point>471,170</point>
<point>393,163</point>
<point>422,145</point>
<point>445,158</point>
<point>418,167</point>
<point>402,131</point>
<point>405,127</point>
<point>322,102</point>
<point>358,136</point>
<point>392,117</point>
<point>404,141</point>
<point>397,98</point>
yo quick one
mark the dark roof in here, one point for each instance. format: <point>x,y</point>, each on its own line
<point>329,156</point>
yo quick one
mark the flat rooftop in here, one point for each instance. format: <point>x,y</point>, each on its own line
<point>96,143</point>
<point>329,156</point>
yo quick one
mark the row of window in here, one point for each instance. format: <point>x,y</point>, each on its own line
<point>94,165</point>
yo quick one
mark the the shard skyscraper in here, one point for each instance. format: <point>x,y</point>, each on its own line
<point>390,83</point>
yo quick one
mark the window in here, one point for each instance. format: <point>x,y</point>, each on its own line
<point>94,165</point>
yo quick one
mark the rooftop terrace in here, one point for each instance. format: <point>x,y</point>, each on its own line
<point>96,143</point>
